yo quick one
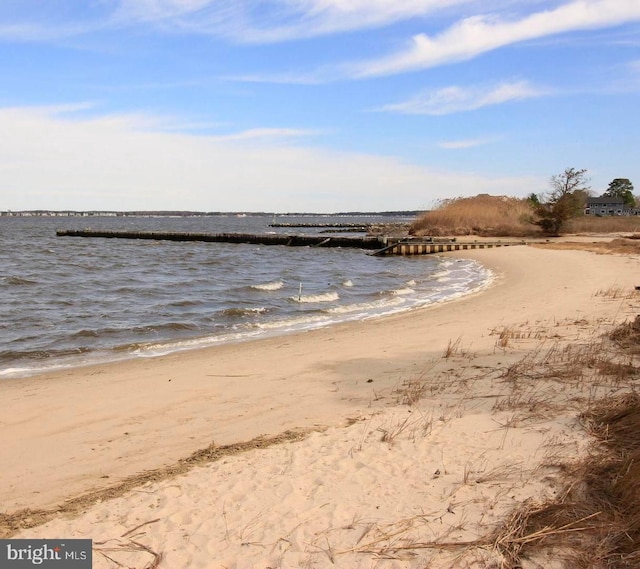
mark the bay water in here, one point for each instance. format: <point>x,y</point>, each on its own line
<point>68,301</point>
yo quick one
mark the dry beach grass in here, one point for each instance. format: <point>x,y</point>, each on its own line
<point>502,216</point>
<point>495,431</point>
<point>483,215</point>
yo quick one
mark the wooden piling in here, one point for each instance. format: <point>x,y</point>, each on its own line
<point>428,247</point>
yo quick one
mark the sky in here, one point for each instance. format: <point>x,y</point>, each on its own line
<point>311,105</point>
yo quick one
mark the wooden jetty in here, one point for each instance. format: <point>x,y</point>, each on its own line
<point>254,239</point>
<point>380,245</point>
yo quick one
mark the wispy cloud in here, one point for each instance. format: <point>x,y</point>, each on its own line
<point>257,21</point>
<point>622,78</point>
<point>480,34</point>
<point>456,99</point>
<point>88,113</point>
<point>316,77</point>
<point>268,21</point>
<point>30,20</point>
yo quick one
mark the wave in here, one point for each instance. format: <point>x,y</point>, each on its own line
<point>231,312</point>
<point>275,285</point>
<point>402,291</point>
<point>366,307</point>
<point>300,323</point>
<point>137,330</point>
<point>324,297</point>
<point>347,283</point>
<point>18,281</point>
<point>440,274</point>
<point>183,303</point>
<point>169,327</point>
<point>41,354</point>
<point>17,371</point>
<point>152,349</point>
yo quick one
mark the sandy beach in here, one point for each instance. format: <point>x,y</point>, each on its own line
<point>360,445</point>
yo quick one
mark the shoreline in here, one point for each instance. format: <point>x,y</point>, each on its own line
<point>84,429</point>
<point>391,302</point>
<point>169,347</point>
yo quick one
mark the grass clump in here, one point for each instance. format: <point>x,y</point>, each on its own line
<point>627,336</point>
<point>482,215</point>
<point>595,522</point>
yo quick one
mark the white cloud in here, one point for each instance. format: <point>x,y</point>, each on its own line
<point>51,161</point>
<point>458,99</point>
<point>480,34</point>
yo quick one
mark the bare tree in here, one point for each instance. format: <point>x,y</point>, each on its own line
<point>564,201</point>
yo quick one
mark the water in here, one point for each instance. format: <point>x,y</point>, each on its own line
<point>68,301</point>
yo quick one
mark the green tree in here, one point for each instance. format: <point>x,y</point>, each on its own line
<point>582,196</point>
<point>533,199</point>
<point>564,201</point>
<point>621,188</point>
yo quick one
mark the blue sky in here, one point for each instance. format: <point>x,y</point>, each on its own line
<point>311,105</point>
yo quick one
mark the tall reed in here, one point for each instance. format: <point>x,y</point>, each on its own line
<point>481,215</point>
<point>493,216</point>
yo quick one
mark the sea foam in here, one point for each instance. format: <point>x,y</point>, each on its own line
<point>275,285</point>
<point>324,297</point>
